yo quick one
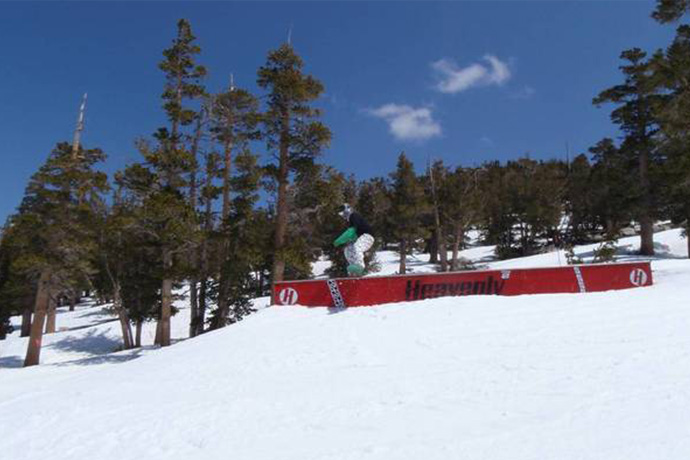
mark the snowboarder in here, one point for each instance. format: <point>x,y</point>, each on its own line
<point>357,238</point>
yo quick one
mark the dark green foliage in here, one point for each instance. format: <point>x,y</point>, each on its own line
<point>408,206</point>
<point>606,252</point>
<point>243,237</point>
<point>183,78</point>
<point>56,218</point>
<point>521,205</point>
<point>636,101</point>
<point>16,288</point>
<point>374,203</point>
<point>611,183</point>
<point>578,201</point>
<point>293,136</point>
<point>670,10</point>
<point>671,73</point>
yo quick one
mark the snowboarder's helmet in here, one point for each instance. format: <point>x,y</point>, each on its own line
<point>345,211</point>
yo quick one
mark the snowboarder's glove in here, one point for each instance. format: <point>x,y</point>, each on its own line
<point>347,236</point>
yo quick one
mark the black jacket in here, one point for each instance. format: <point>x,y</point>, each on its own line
<point>361,226</point>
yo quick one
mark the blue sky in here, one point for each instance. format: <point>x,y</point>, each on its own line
<point>465,82</point>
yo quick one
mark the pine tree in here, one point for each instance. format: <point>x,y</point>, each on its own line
<point>158,185</point>
<point>408,206</point>
<point>497,215</point>
<point>292,135</point>
<point>636,99</point>
<point>234,124</point>
<point>55,219</point>
<point>671,74</point>
<point>610,186</point>
<point>460,204</point>
<point>212,250</point>
<point>243,244</point>
<point>670,10</point>
<point>374,203</point>
<point>437,175</point>
<point>578,202</point>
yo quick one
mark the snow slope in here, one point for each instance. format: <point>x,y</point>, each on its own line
<point>568,376</point>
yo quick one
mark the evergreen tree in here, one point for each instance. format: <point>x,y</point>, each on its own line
<point>243,244</point>
<point>497,218</point>
<point>636,99</point>
<point>212,249</point>
<point>408,205</point>
<point>55,222</point>
<point>374,203</point>
<point>437,175</point>
<point>611,183</point>
<point>460,204</point>
<point>159,183</point>
<point>234,125</point>
<point>292,135</point>
<point>578,202</point>
<point>670,10</point>
<point>671,73</point>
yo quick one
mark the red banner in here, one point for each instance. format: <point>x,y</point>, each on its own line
<point>375,290</point>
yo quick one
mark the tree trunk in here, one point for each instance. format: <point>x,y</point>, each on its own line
<point>127,339</point>
<point>33,352</point>
<point>72,302</point>
<point>193,301</point>
<point>646,219</point>
<point>223,306</point>
<point>193,282</point>
<point>438,234</point>
<point>26,322</point>
<point>198,325</point>
<point>199,316</point>
<point>402,269</point>
<point>433,248</point>
<point>282,204</point>
<point>646,235</point>
<point>457,243</point>
<point>227,168</point>
<point>260,287</point>
<point>51,320</point>
<point>137,338</point>
<point>442,251</point>
<point>166,299</point>
<point>157,337</point>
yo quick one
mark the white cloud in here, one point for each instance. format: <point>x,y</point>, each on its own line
<point>408,123</point>
<point>453,79</point>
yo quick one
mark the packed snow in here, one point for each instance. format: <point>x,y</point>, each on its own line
<point>567,376</point>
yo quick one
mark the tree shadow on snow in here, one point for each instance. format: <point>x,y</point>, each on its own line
<point>629,253</point>
<point>93,342</point>
<point>110,358</point>
<point>95,312</point>
<point>87,326</point>
<point>11,362</point>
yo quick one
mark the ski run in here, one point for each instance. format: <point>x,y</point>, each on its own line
<point>569,376</point>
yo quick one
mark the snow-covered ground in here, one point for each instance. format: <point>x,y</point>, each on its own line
<point>569,376</point>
